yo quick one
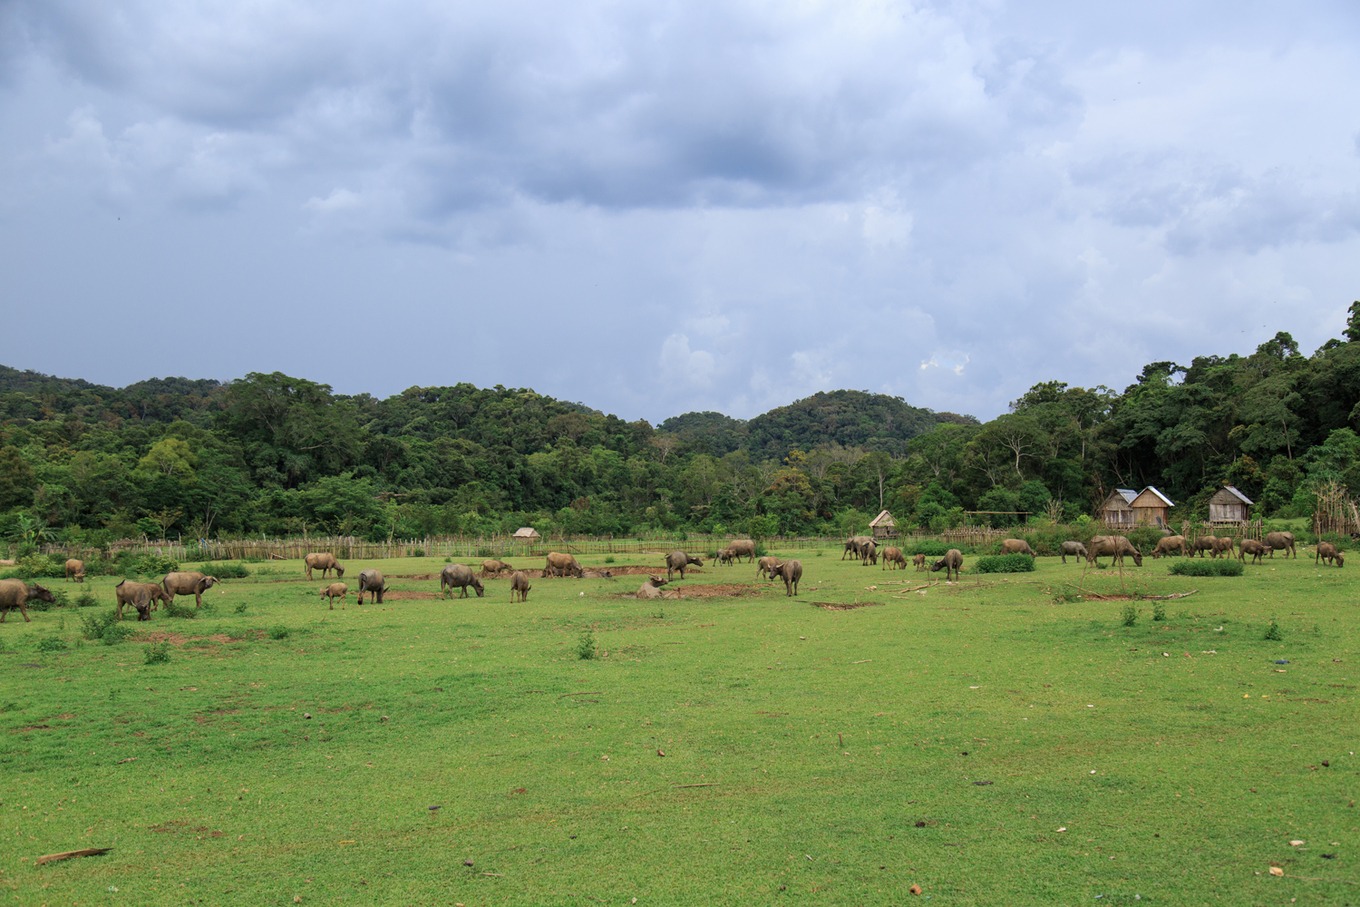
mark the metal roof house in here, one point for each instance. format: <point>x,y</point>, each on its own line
<point>1116,510</point>
<point>1151,508</point>
<point>883,526</point>
<point>1229,505</point>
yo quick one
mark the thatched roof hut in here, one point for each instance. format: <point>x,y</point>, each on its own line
<point>1229,505</point>
<point>526,534</point>
<point>884,526</point>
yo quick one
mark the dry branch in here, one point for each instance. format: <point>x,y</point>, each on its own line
<point>68,854</point>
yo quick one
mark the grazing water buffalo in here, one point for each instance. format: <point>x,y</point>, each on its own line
<point>920,561</point>
<point>334,591</point>
<point>1327,553</point>
<point>679,560</point>
<point>323,561</point>
<point>868,553</point>
<point>193,582</point>
<point>1076,549</point>
<point>853,546</point>
<point>742,548</point>
<point>519,586</point>
<point>951,563</point>
<point>1114,547</point>
<point>15,593</point>
<point>493,567</point>
<point>458,576</point>
<point>372,582</point>
<point>1281,541</point>
<point>75,569</point>
<point>1169,544</point>
<point>895,557</point>
<point>651,588</point>
<point>790,572</point>
<point>1215,546</point>
<point>141,596</point>
<point>558,564</point>
<point>1253,548</point>
<point>1016,546</point>
<point>766,566</point>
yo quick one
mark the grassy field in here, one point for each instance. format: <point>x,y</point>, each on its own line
<point>1006,739</point>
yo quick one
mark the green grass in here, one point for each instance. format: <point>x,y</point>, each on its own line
<point>940,735</point>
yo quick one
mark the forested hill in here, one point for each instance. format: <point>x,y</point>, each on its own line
<point>270,453</point>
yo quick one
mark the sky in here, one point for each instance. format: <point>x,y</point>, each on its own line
<point>674,206</point>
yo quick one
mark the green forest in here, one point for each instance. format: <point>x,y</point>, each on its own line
<point>279,455</point>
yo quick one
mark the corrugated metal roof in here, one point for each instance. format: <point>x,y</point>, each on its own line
<point>1237,494</point>
<point>1164,499</point>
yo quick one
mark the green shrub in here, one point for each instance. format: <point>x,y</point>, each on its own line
<point>1158,611</point>
<point>278,631</point>
<point>175,609</point>
<point>158,653</point>
<point>929,548</point>
<point>417,552</point>
<point>1206,567</point>
<point>105,627</point>
<point>226,570</point>
<point>585,646</point>
<point>34,566</point>
<point>144,563</point>
<point>51,644</point>
<point>1004,563</point>
<point>1128,616</point>
<point>86,599</point>
<point>1273,631</point>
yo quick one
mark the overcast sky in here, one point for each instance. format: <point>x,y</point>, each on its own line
<point>670,206</point>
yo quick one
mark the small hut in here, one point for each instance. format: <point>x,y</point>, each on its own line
<point>884,526</point>
<point>1116,510</point>
<point>1229,505</point>
<point>526,534</point>
<point>1151,508</point>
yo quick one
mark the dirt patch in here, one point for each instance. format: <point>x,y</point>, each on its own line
<point>698,590</point>
<point>845,606</point>
<point>179,639</point>
<point>393,595</point>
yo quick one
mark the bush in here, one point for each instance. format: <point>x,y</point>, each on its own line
<point>929,548</point>
<point>417,552</point>
<point>105,627</point>
<point>1128,616</point>
<point>144,563</point>
<point>1004,563</point>
<point>278,631</point>
<point>1206,567</point>
<point>34,566</point>
<point>175,609</point>
<point>1273,631</point>
<point>226,570</point>
<point>51,644</point>
<point>585,646</point>
<point>86,599</point>
<point>158,653</point>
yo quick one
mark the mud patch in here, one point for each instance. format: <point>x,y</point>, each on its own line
<point>845,606</point>
<point>393,595</point>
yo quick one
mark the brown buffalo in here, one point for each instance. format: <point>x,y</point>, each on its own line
<point>1281,541</point>
<point>493,567</point>
<point>1168,545</point>
<point>334,591</point>
<point>1074,548</point>
<point>920,561</point>
<point>951,563</point>
<point>766,566</point>
<point>1328,553</point>
<point>459,576</point>
<point>323,561</point>
<point>790,572</point>
<point>1114,547</point>
<point>651,588</point>
<point>142,597</point>
<point>1256,549</point>
<point>519,586</point>
<point>853,546</point>
<point>743,548</point>
<point>15,593</point>
<point>75,569</point>
<point>679,560</point>
<point>192,582</point>
<point>895,557</point>
<point>559,564</point>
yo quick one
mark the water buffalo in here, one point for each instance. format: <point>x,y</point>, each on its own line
<point>142,597</point>
<point>1114,547</point>
<point>951,563</point>
<point>1254,548</point>
<point>1074,548</point>
<point>75,569</point>
<point>519,586</point>
<point>325,561</point>
<point>1328,553</point>
<point>334,591</point>
<point>458,576</point>
<point>559,564</point>
<point>895,557</point>
<point>1016,546</point>
<point>651,588</point>
<point>186,583</point>
<point>493,567</point>
<point>766,566</point>
<point>1281,541</point>
<point>15,593</point>
<point>372,582</point>
<point>919,560</point>
<point>790,572</point>
<point>679,560</point>
<point>1168,545</point>
<point>853,546</point>
<point>868,553</point>
<point>743,548</point>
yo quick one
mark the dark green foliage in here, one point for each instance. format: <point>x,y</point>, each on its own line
<point>37,566</point>
<point>1206,567</point>
<point>585,646</point>
<point>145,563</point>
<point>157,653</point>
<point>177,608</point>
<point>1004,563</point>
<point>1273,631</point>
<point>1158,611</point>
<point>86,599</point>
<point>928,547</point>
<point>278,632</point>
<point>225,570</point>
<point>105,627</point>
<point>52,644</point>
<point>1128,615</point>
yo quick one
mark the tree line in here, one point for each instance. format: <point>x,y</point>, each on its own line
<point>279,455</point>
